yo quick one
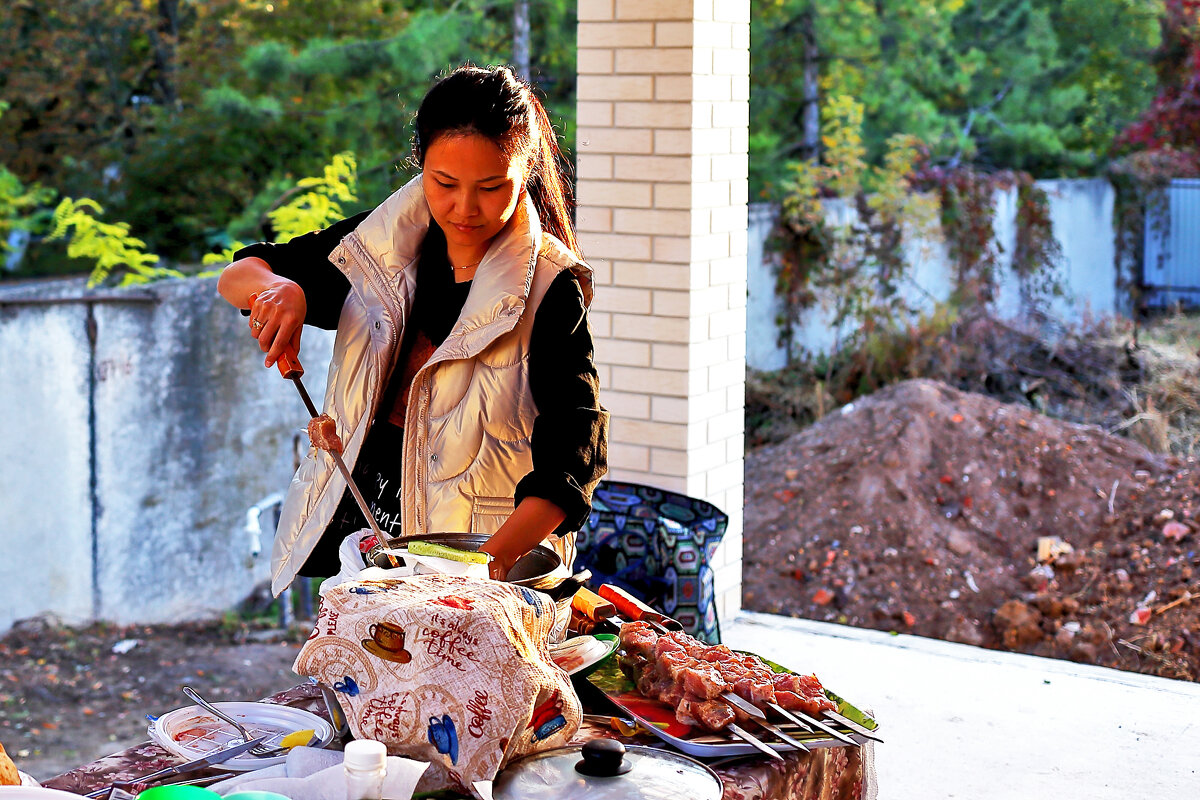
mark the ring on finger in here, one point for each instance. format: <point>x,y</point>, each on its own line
<point>256,325</point>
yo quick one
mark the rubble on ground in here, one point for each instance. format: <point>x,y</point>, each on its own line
<point>927,510</point>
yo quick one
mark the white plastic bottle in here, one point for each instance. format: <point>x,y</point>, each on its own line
<point>365,766</point>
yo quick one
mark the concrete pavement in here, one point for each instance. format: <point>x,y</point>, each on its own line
<point>964,722</point>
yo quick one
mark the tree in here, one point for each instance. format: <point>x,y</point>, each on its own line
<point>190,119</point>
<point>1173,118</point>
<point>1040,85</point>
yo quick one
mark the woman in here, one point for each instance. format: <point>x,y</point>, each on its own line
<point>462,380</point>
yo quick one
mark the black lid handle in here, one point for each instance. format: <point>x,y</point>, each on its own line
<point>603,758</point>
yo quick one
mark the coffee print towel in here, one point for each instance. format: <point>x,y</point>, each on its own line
<point>450,670</point>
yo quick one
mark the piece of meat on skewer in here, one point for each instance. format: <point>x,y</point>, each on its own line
<point>322,431</point>
<point>802,693</point>
<point>711,714</point>
<point>692,677</point>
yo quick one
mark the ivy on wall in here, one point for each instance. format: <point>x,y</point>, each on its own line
<point>1140,180</point>
<point>858,267</point>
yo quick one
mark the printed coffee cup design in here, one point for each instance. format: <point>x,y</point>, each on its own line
<point>347,685</point>
<point>387,642</point>
<point>444,737</point>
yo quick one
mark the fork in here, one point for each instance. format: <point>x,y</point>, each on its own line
<point>261,751</point>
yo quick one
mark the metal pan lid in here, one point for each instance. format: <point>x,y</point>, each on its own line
<point>604,769</point>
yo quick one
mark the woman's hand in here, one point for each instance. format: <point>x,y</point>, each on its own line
<point>277,305</point>
<point>531,522</point>
<point>499,567</point>
<point>277,318</point>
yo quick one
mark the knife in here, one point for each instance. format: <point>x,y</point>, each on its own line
<point>212,759</point>
<point>290,368</point>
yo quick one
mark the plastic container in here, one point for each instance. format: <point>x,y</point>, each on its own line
<point>365,765</point>
<point>178,793</point>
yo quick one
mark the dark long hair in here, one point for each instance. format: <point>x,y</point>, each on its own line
<point>497,104</point>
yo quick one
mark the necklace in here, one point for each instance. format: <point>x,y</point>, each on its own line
<point>468,266</point>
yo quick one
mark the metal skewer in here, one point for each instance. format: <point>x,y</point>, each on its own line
<point>290,368</point>
<point>853,726</point>
<point>785,738</point>
<point>294,375</point>
<point>742,704</point>
<point>805,721</point>
<point>754,742</point>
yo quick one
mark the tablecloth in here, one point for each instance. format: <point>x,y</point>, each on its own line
<point>835,773</point>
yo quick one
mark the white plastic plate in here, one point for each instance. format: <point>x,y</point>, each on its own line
<point>191,732</point>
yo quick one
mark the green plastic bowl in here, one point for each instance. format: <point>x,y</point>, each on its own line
<point>178,793</point>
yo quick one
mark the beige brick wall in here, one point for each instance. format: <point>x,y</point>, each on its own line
<point>662,165</point>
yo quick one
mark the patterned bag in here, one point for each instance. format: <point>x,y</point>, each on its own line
<point>657,545</point>
<point>450,670</point>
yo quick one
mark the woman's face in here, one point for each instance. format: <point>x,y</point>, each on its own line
<point>472,189</point>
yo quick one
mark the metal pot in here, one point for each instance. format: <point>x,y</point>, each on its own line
<point>540,568</point>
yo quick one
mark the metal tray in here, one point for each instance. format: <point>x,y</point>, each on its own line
<point>659,719</point>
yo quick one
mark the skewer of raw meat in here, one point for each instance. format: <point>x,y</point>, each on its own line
<point>714,687</point>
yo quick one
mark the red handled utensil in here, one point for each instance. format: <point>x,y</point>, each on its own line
<point>634,609</point>
<point>290,368</point>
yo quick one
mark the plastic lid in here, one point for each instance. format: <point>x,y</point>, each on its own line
<point>604,768</point>
<point>365,754</point>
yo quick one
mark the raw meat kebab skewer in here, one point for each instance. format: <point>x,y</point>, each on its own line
<point>698,679</point>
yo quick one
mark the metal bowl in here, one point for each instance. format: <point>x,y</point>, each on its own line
<point>532,570</point>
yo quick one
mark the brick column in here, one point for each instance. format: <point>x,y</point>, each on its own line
<point>662,149</point>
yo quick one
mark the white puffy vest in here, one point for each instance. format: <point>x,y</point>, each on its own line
<point>470,413</point>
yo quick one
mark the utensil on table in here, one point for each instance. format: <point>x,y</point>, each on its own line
<point>797,717</point>
<point>260,750</point>
<point>336,715</point>
<point>597,613</point>
<point>636,610</point>
<point>290,368</point>
<point>210,760</point>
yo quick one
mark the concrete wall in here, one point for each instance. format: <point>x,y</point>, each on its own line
<point>133,454</point>
<point>1082,215</point>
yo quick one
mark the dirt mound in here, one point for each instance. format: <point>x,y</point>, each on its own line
<point>920,509</point>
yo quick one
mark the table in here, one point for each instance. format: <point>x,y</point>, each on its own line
<point>836,773</point>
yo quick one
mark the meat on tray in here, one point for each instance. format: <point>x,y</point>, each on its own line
<point>322,431</point>
<point>691,676</point>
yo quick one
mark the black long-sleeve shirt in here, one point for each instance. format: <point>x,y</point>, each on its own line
<point>569,442</point>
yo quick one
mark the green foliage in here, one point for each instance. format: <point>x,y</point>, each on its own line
<point>852,256</point>
<point>18,203</point>
<point>320,205</point>
<point>1042,86</point>
<point>317,205</point>
<point>192,136</point>
<point>108,244</point>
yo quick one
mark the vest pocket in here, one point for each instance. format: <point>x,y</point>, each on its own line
<point>489,513</point>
